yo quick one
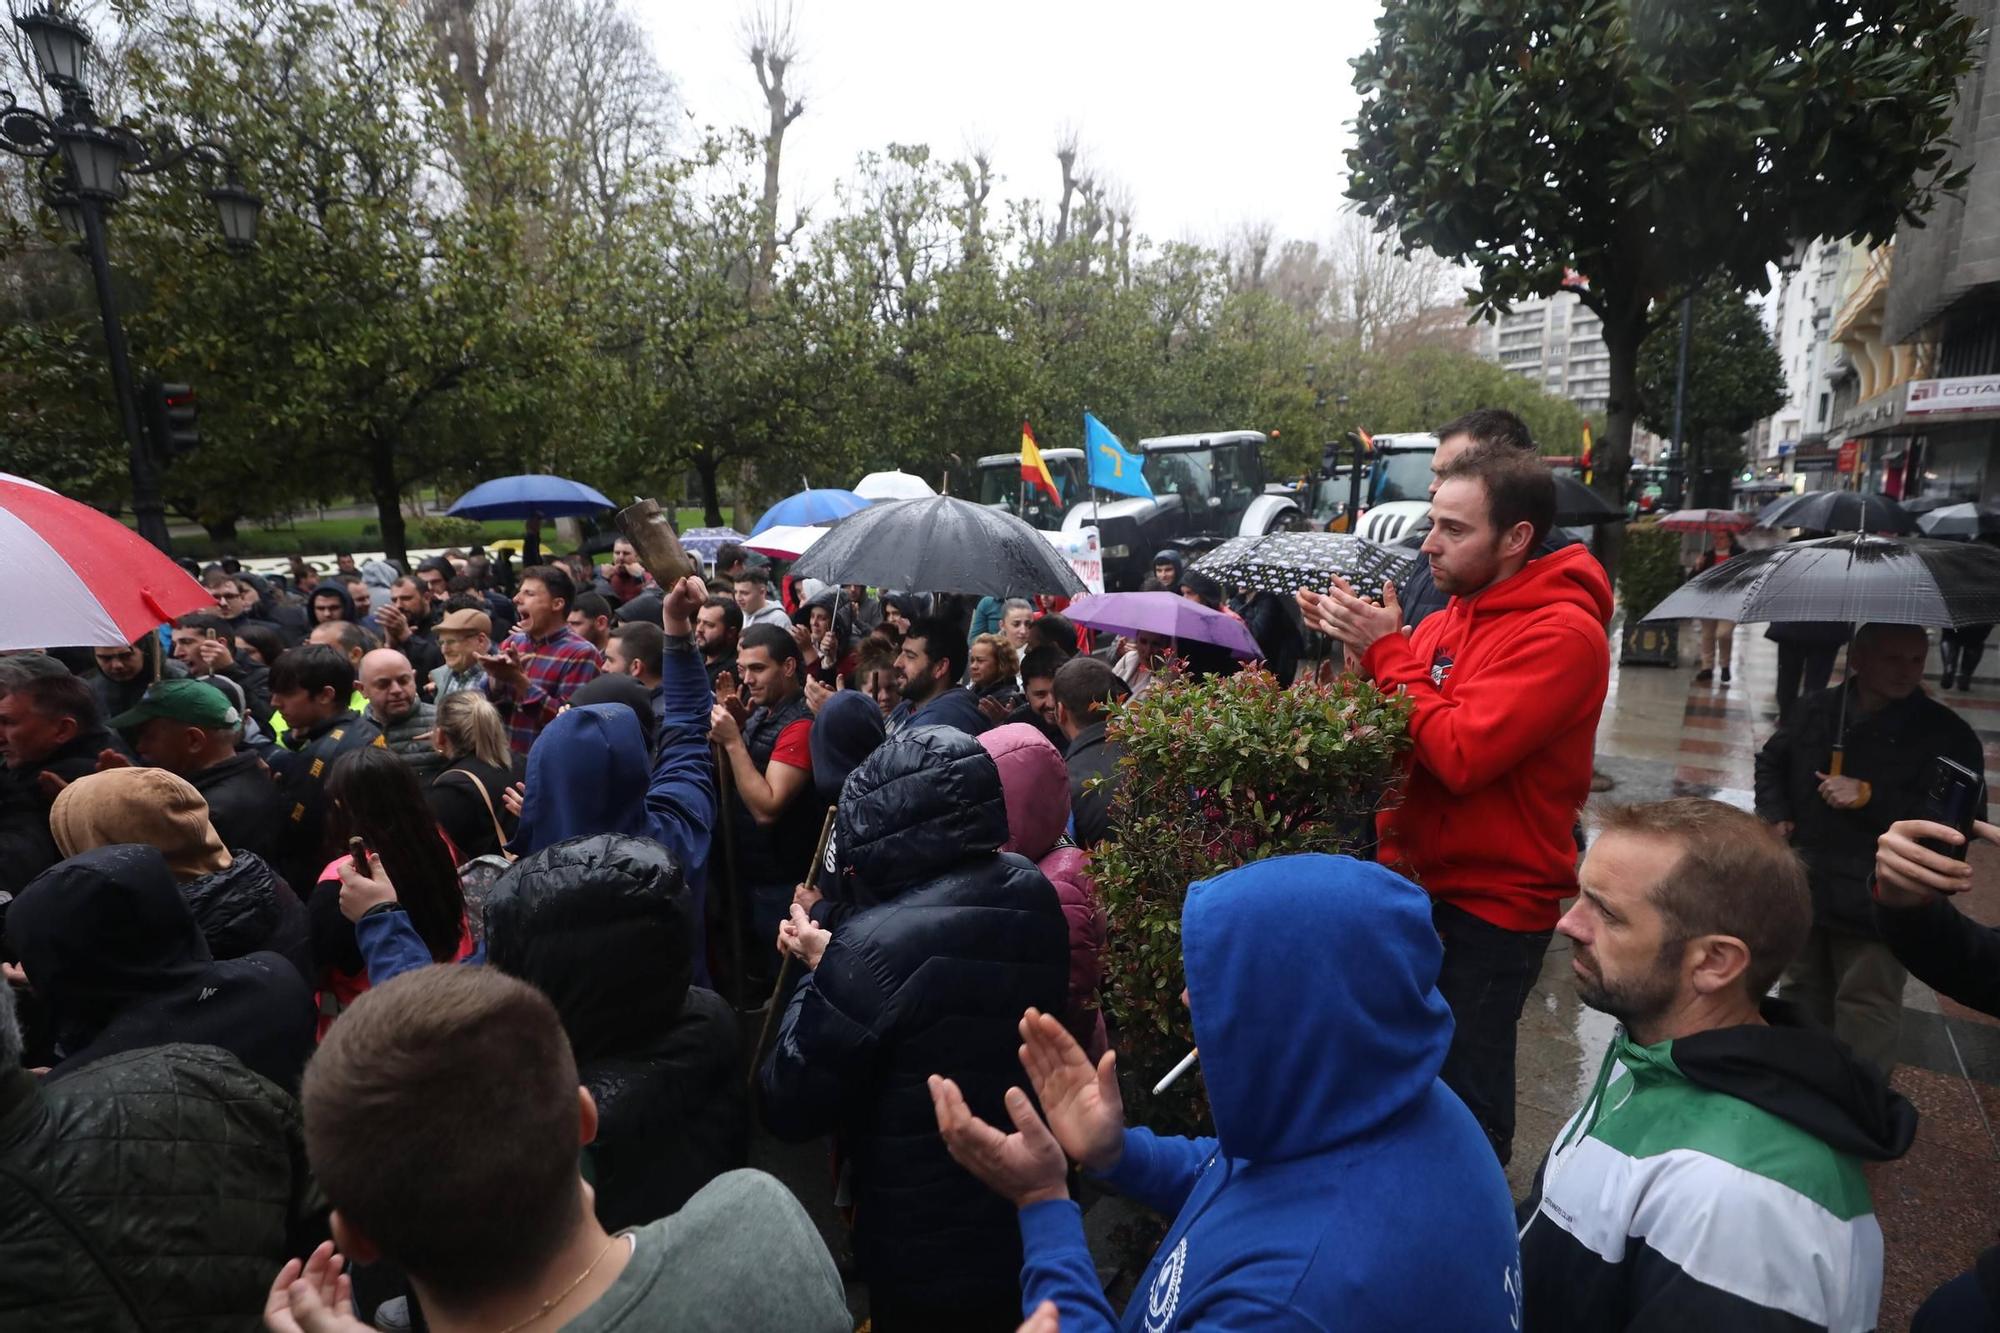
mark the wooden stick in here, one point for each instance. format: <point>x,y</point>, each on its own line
<point>733,908</point>
<point>785,967</point>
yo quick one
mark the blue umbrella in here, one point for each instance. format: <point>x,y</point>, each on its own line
<point>532,496</point>
<point>809,507</point>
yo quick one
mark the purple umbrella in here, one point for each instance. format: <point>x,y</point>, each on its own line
<point>1164,613</point>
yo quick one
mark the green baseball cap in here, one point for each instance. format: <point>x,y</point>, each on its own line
<point>190,701</point>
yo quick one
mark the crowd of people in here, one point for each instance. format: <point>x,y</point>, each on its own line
<point>428,950</point>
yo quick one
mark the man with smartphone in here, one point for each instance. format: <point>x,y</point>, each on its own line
<point>1846,977</point>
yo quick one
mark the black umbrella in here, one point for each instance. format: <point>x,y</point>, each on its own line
<point>1961,520</point>
<point>1578,506</point>
<point>939,544</point>
<point>1852,578</point>
<point>1284,562</point>
<point>1835,511</point>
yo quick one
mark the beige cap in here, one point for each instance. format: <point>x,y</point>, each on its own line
<point>466,622</point>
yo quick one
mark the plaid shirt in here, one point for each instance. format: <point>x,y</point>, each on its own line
<point>556,666</point>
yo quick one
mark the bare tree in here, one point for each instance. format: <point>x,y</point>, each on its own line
<point>1068,148</point>
<point>771,41</point>
<point>974,176</point>
<point>578,75</point>
<point>1383,297</point>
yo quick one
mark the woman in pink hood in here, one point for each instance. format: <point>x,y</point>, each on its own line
<point>1036,783</point>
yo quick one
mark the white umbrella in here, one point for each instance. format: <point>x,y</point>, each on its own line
<point>892,486</point>
<point>783,541</point>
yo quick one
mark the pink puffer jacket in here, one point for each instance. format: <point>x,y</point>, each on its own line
<point>1036,783</point>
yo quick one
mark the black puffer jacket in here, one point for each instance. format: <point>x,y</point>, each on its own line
<point>244,804</point>
<point>953,941</point>
<point>170,1180</point>
<point>604,926</point>
<point>113,951</point>
<point>247,909</point>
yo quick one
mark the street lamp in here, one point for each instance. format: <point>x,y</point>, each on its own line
<point>94,160</point>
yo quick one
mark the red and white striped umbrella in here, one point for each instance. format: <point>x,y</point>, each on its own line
<point>77,578</point>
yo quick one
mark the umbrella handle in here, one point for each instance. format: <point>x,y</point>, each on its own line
<point>1833,765</point>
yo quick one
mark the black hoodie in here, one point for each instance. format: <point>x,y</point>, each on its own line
<point>112,947</point>
<point>604,926</point>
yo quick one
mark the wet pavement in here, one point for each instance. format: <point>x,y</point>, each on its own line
<point>1663,735</point>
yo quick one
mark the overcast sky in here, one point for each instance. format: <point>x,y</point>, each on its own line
<point>1211,114</point>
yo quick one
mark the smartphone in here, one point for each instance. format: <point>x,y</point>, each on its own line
<point>208,634</point>
<point>1954,796</point>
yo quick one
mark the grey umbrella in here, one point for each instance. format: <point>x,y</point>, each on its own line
<point>1923,504</point>
<point>939,544</point>
<point>1852,578</point>
<point>1835,511</point>
<point>1961,520</point>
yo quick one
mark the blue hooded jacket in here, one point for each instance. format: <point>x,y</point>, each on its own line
<point>588,774</point>
<point>1346,1188</point>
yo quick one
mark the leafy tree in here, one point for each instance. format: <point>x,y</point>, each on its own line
<point>1625,149</point>
<point>1734,379</point>
<point>386,331</point>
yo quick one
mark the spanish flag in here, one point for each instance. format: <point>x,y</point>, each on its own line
<point>1588,448</point>
<point>1033,469</point>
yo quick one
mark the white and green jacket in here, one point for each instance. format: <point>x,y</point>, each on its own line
<point>1714,1183</point>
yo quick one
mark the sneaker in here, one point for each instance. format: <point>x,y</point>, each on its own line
<point>1725,675</point>
<point>1703,676</point>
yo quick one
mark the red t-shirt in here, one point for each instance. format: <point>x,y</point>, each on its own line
<point>794,745</point>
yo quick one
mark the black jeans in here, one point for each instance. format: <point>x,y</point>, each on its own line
<point>1486,977</point>
<point>1803,668</point>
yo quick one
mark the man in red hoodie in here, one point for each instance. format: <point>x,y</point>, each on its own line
<point>1507,684</point>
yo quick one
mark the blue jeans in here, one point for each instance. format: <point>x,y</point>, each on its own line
<point>1487,974</point>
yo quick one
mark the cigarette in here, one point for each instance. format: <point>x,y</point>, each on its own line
<point>1174,1074</point>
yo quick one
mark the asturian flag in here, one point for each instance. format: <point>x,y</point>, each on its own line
<point>1112,468</point>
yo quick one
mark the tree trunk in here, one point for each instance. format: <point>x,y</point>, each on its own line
<point>711,499</point>
<point>222,531</point>
<point>388,496</point>
<point>1611,460</point>
<point>770,63</point>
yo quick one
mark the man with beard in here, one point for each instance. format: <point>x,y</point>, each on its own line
<point>1506,685</point>
<point>769,754</point>
<point>929,666</point>
<point>716,633</point>
<point>1713,1177</point>
<point>406,626</point>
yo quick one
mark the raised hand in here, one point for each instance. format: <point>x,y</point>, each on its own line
<point>1024,1167</point>
<point>994,710</point>
<point>681,605</point>
<point>816,693</point>
<point>1083,1104</point>
<point>1909,874</point>
<point>1045,1319</point>
<point>313,1297</point>
<point>362,889</point>
<point>109,759</point>
<point>514,797</point>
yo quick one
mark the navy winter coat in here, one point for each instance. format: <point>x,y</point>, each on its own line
<point>953,939</point>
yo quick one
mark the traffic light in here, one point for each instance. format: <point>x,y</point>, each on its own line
<point>170,413</point>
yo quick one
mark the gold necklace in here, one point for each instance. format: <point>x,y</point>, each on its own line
<point>562,1295</point>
